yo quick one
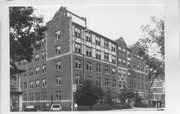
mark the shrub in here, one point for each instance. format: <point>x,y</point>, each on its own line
<point>101,107</point>
<point>83,108</point>
<point>121,106</point>
<point>125,106</point>
<point>140,105</point>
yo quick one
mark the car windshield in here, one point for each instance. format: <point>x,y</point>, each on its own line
<point>56,106</point>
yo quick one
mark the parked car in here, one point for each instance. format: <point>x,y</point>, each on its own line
<point>30,108</point>
<point>56,107</point>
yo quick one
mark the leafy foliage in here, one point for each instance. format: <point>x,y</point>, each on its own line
<point>153,34</point>
<point>25,30</point>
<point>88,94</point>
<point>126,94</point>
<point>152,48</point>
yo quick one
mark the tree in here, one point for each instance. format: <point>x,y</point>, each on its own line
<point>153,34</point>
<point>88,94</point>
<point>25,30</point>
<point>152,48</point>
<point>126,94</point>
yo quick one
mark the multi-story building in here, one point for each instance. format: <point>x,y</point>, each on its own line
<point>70,53</point>
<point>15,93</point>
<point>157,93</point>
<point>138,71</point>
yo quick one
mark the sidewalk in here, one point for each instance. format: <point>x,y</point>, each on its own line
<point>144,109</point>
<point>140,109</point>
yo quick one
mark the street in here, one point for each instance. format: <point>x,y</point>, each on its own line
<point>140,109</point>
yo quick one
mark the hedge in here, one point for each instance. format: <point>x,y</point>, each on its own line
<point>140,105</point>
<point>103,107</point>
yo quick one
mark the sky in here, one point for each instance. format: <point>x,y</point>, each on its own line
<point>111,21</point>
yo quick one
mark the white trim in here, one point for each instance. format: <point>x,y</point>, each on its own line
<point>95,59</point>
<point>48,59</point>
<point>141,72</point>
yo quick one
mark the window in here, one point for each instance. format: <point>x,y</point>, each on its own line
<point>25,74</point>
<point>113,82</point>
<point>37,44</point>
<point>77,48</point>
<point>98,81</point>
<point>25,85</point>
<point>146,86</point>
<point>142,77</point>
<point>88,51</point>
<point>113,59</point>
<point>58,80</point>
<point>124,50</point>
<point>134,84</point>
<point>57,35</point>
<point>98,41</point>
<point>113,71</point>
<point>119,60</point>
<point>146,78</point>
<point>106,82</point>
<point>98,67</point>
<point>106,69</point>
<point>106,45</point>
<point>124,62</point>
<point>129,64</point>
<point>78,63</point>
<point>142,67</point>
<point>37,83</point>
<point>77,32</point>
<point>106,56</point>
<point>88,66</point>
<point>120,48</point>
<point>37,70</point>
<point>37,96</point>
<point>31,96</point>
<point>124,84</point>
<point>36,57</point>
<point>113,48</point>
<point>25,97</point>
<point>89,78</point>
<point>44,96</point>
<point>31,84</point>
<point>44,82</point>
<point>78,79</point>
<point>57,49</point>
<point>98,54</point>
<point>30,71</point>
<point>44,69</point>
<point>58,95</point>
<point>88,37</point>
<point>142,86</point>
<point>43,55</point>
<point>43,42</point>
<point>138,85</point>
<point>58,65</point>
<point>120,84</point>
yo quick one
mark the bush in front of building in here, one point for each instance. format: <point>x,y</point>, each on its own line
<point>101,107</point>
<point>88,94</point>
<point>83,108</point>
<point>140,105</point>
<point>121,106</point>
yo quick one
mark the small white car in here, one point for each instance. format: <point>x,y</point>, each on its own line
<point>56,107</point>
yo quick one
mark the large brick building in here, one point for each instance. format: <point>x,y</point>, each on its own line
<point>70,53</point>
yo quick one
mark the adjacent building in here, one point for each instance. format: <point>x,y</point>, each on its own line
<point>157,93</point>
<point>71,53</point>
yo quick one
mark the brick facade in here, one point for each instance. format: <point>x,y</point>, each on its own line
<point>95,57</point>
